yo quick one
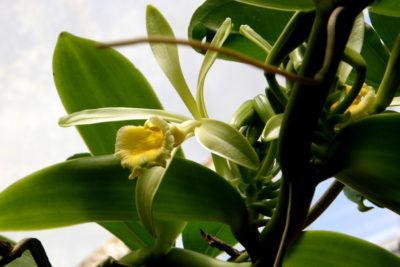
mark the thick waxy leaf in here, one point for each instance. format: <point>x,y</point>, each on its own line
<point>168,58</point>
<point>355,42</point>
<point>209,59</point>
<point>193,240</point>
<point>88,77</point>
<point>131,233</point>
<point>365,156</point>
<point>272,128</point>
<point>92,116</point>
<point>76,191</point>
<point>98,189</point>
<point>282,4</point>
<point>209,16</point>
<point>376,56</point>
<point>330,249</point>
<point>225,141</point>
<point>386,27</point>
<point>386,7</point>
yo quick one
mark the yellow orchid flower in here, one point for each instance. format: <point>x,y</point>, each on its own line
<point>143,147</point>
<point>363,102</point>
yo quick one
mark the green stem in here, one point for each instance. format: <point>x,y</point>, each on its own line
<point>390,82</point>
<point>324,52</point>
<point>292,36</point>
<point>360,66</point>
<point>324,202</point>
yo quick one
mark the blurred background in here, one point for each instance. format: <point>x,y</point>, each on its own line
<point>30,138</point>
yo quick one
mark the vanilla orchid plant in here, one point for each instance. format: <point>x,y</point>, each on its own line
<point>332,115</point>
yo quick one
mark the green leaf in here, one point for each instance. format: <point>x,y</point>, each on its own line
<point>168,58</point>
<point>88,77</point>
<point>376,56</point>
<point>132,233</point>
<point>81,190</point>
<point>225,141</point>
<point>208,61</point>
<point>192,192</point>
<point>193,240</point>
<point>386,27</point>
<point>365,156</point>
<point>97,189</point>
<point>386,7</point>
<point>355,42</point>
<point>293,5</point>
<point>100,115</point>
<point>330,249</point>
<point>209,16</point>
<point>272,128</point>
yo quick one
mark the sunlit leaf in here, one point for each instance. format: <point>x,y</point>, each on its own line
<point>93,116</point>
<point>208,61</point>
<point>209,16</point>
<point>365,156</point>
<point>330,249</point>
<point>88,77</point>
<point>272,128</point>
<point>97,189</point>
<point>168,58</point>
<point>225,141</point>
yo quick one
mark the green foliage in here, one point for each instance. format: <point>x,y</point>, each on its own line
<point>320,123</point>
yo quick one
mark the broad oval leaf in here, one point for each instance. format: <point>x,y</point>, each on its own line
<point>88,77</point>
<point>75,191</point>
<point>387,28</point>
<point>330,249</point>
<point>97,189</point>
<point>211,14</point>
<point>365,156</point>
<point>225,141</point>
<point>386,7</point>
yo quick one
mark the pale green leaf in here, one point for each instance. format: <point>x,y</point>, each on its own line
<point>330,249</point>
<point>168,58</point>
<point>88,77</point>
<point>225,141</point>
<point>355,42</point>
<point>208,61</point>
<point>93,116</point>
<point>272,128</point>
